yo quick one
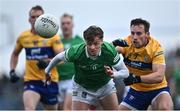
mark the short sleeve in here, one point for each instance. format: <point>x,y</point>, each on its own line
<point>70,54</point>
<point>115,55</point>
<point>116,58</point>
<point>159,57</point>
<point>18,44</point>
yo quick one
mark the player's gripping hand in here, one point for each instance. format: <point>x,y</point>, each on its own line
<point>108,70</point>
<point>13,76</point>
<point>42,64</point>
<point>132,79</point>
<point>120,42</point>
<point>48,80</point>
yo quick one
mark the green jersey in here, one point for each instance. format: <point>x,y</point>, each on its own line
<point>66,70</point>
<point>90,73</point>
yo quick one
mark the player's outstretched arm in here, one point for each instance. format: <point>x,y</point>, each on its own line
<point>55,61</point>
<point>157,76</point>
<point>120,42</point>
<point>14,58</point>
<point>13,63</point>
<point>122,70</point>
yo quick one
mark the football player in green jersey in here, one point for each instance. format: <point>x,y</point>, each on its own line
<point>93,62</point>
<point>66,69</point>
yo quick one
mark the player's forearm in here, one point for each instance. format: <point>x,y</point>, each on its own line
<point>122,71</point>
<point>55,61</point>
<point>14,58</point>
<point>156,77</point>
<point>13,61</point>
<point>152,78</point>
<point>120,50</point>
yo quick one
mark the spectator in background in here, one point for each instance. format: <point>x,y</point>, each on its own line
<point>38,52</point>
<point>66,69</point>
<point>176,77</point>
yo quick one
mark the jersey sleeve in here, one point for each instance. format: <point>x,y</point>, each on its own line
<point>159,57</point>
<point>57,44</point>
<point>18,44</point>
<point>70,54</point>
<point>116,58</point>
<point>114,54</point>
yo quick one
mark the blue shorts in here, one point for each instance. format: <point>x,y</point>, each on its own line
<point>140,100</point>
<point>48,93</point>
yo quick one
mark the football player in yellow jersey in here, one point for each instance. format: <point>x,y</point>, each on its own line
<point>144,57</point>
<point>38,52</point>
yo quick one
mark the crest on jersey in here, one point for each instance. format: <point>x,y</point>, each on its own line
<point>35,42</point>
<point>146,59</point>
<point>94,67</point>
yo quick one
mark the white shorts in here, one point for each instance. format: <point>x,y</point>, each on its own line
<point>83,95</point>
<point>65,87</point>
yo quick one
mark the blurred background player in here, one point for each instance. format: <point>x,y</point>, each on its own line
<point>144,57</point>
<point>66,69</point>
<point>93,61</point>
<point>38,52</point>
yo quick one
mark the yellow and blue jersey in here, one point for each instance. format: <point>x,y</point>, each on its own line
<point>37,47</point>
<point>139,61</point>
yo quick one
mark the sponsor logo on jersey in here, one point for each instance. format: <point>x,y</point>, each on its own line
<point>35,51</point>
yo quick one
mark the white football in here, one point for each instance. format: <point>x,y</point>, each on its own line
<point>46,25</point>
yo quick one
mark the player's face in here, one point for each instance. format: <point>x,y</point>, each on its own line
<point>139,36</point>
<point>33,15</point>
<point>66,26</point>
<point>94,47</point>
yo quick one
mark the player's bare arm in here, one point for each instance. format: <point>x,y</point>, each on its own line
<point>121,70</point>
<point>55,61</point>
<point>155,77</point>
<point>14,58</point>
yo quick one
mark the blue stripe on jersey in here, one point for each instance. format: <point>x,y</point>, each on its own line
<point>39,53</point>
<point>137,64</point>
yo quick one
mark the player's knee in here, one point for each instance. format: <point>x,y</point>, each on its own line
<point>67,107</point>
<point>29,107</point>
<point>166,106</point>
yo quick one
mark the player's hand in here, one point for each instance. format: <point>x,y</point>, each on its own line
<point>132,79</point>
<point>108,70</point>
<point>48,80</point>
<point>120,42</point>
<point>42,64</point>
<point>13,76</point>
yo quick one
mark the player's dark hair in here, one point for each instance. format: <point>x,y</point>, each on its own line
<point>37,7</point>
<point>92,32</point>
<point>139,21</point>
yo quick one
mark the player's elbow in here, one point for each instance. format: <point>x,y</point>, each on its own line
<point>159,78</point>
<point>14,55</point>
<point>126,74</point>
